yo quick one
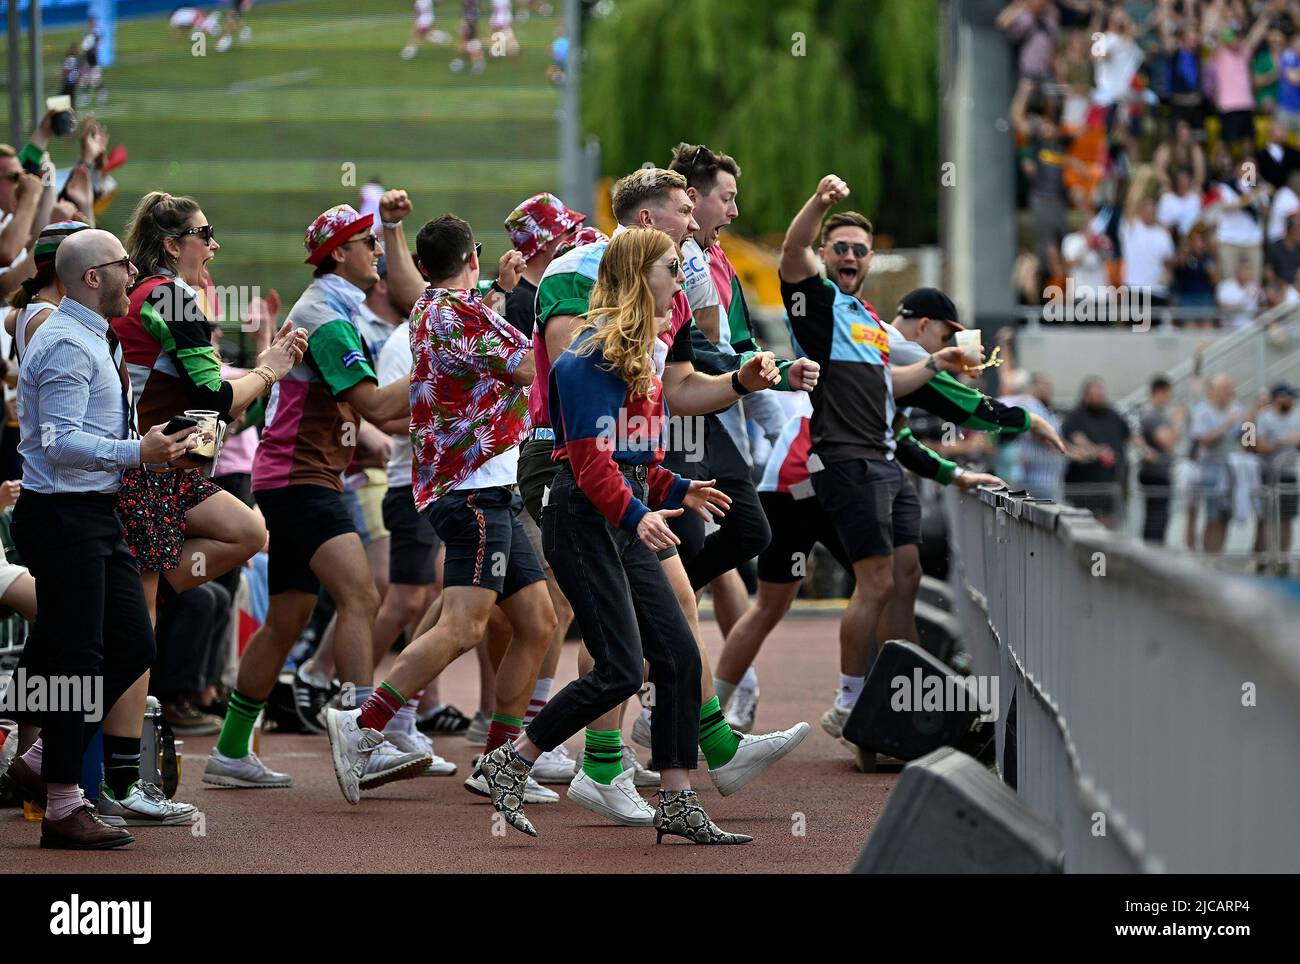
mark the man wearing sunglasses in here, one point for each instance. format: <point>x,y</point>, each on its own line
<point>78,435</point>
<point>312,425</point>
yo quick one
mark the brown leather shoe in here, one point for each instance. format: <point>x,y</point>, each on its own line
<point>82,830</point>
<point>25,782</point>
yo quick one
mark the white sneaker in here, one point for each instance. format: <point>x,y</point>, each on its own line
<point>413,741</point>
<point>9,749</point>
<point>534,792</point>
<point>388,764</point>
<point>618,801</point>
<point>145,806</point>
<point>642,776</point>
<point>742,708</point>
<point>224,43</point>
<point>478,729</point>
<point>555,766</point>
<point>754,755</point>
<point>245,771</point>
<point>408,51</point>
<point>833,720</point>
<point>350,747</point>
<point>641,731</point>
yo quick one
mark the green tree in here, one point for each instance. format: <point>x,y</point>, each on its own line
<point>793,90</point>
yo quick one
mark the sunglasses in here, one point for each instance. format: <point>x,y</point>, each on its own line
<point>478,250</point>
<point>206,233</point>
<point>842,248</point>
<point>369,240</point>
<point>125,262</point>
<point>673,266</point>
<point>13,176</point>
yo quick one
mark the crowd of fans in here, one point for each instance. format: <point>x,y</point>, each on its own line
<point>1157,151</point>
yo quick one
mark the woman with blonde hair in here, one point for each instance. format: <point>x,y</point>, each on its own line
<point>605,520</point>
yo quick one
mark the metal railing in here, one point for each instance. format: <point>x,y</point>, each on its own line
<point>1156,702</point>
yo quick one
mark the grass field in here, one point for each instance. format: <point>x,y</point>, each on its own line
<point>264,134</point>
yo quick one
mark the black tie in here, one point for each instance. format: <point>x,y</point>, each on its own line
<point>128,397</point>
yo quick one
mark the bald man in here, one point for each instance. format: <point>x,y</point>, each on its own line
<point>92,628</point>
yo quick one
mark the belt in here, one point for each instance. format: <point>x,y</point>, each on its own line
<point>638,472</point>
<point>542,435</point>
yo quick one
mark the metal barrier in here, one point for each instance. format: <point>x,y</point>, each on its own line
<point>1156,702</point>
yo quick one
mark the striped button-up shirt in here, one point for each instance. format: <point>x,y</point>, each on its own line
<point>72,413</point>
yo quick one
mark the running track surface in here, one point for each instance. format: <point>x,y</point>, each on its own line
<point>434,825</point>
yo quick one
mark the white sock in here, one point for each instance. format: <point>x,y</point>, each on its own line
<point>541,692</point>
<point>750,680</point>
<point>850,690</point>
<point>61,799</point>
<point>33,755</point>
<point>404,719</point>
<point>724,691</point>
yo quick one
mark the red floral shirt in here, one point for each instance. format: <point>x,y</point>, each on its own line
<point>465,407</point>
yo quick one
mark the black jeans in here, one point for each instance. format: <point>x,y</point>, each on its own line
<point>192,629</point>
<point>744,531</point>
<point>628,613</point>
<point>91,620</point>
<point>1156,485</point>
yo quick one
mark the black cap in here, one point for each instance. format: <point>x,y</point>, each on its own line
<point>930,303</point>
<point>1283,389</point>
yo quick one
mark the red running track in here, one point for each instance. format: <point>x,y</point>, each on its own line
<point>808,814</point>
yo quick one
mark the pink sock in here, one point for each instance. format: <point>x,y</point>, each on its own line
<point>61,799</point>
<point>33,755</point>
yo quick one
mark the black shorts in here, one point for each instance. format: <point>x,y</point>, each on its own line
<point>412,543</point>
<point>1288,501</point>
<point>1237,125</point>
<point>300,519</point>
<point>486,543</point>
<point>797,525</point>
<point>873,506</point>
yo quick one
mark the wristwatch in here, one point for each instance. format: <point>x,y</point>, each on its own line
<point>957,473</point>
<point>736,385</point>
<point>931,364</point>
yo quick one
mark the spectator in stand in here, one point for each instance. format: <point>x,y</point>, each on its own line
<point>1118,58</point>
<point>1277,435</point>
<point>1180,208</point>
<point>1239,297</point>
<point>1182,153</point>
<point>1234,96</point>
<point>1157,440</point>
<point>1239,203</point>
<point>1097,440</point>
<point>1287,116</point>
<point>1032,25</point>
<point>1283,257</point>
<point>1196,274</point>
<point>1286,202</point>
<point>1266,71</point>
<point>1043,161</point>
<point>1147,249</point>
<point>1184,77</point>
<point>1035,465</point>
<point>1278,160</point>
<point>1216,431</point>
<point>1085,253</point>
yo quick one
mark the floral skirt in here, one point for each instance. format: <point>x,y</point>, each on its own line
<point>152,507</point>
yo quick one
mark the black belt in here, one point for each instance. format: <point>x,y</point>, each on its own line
<point>638,472</point>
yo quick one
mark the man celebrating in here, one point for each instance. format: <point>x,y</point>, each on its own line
<point>311,433</point>
<point>469,411</point>
<point>852,461</point>
<point>78,434</point>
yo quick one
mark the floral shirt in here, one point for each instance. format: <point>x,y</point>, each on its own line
<point>465,407</point>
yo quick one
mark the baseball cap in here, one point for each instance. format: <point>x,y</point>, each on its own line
<point>930,303</point>
<point>542,218</point>
<point>1282,389</point>
<point>331,228</point>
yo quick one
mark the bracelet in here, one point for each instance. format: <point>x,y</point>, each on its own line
<point>496,286</point>
<point>391,225</point>
<point>736,386</point>
<point>267,374</point>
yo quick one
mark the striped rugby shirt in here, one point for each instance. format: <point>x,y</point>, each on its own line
<point>304,442</point>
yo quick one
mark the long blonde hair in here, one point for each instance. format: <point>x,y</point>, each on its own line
<point>621,307</point>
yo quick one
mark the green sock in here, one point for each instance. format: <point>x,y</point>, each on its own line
<point>602,755</point>
<point>717,739</point>
<point>237,733</point>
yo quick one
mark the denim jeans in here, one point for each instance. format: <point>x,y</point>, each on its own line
<point>628,613</point>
